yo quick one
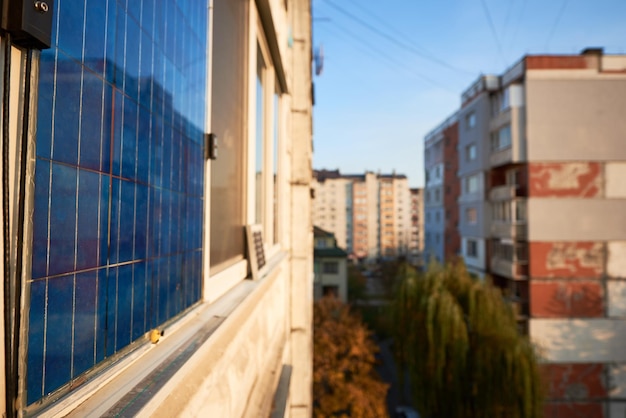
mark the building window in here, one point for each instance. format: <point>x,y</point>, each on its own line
<point>330,267</point>
<point>520,210</point>
<point>472,248</point>
<point>512,177</point>
<point>260,133</point>
<point>470,120</point>
<point>501,139</point>
<point>471,183</point>
<point>228,121</point>
<point>470,152</point>
<point>471,216</point>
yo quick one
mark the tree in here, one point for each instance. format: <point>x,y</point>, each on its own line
<point>457,339</point>
<point>357,284</point>
<point>344,380</point>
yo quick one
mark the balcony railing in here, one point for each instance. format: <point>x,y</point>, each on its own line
<point>508,229</point>
<point>501,157</point>
<point>517,270</point>
<point>502,193</point>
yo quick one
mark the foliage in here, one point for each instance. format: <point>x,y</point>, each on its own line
<point>389,272</point>
<point>357,284</point>
<point>344,380</point>
<point>458,340</point>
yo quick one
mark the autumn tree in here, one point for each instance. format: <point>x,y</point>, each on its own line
<point>457,338</point>
<point>344,380</point>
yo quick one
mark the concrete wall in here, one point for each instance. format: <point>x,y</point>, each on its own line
<point>478,135</point>
<point>569,110</point>
<point>577,230</point>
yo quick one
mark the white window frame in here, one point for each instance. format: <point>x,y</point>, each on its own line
<point>218,284</point>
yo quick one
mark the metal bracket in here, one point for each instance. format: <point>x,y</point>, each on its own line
<point>210,146</point>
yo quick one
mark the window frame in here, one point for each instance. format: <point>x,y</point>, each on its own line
<point>217,284</point>
<point>470,152</point>
<point>471,216</point>
<point>471,248</point>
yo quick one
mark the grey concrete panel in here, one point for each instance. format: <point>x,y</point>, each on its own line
<point>576,219</point>
<point>576,119</point>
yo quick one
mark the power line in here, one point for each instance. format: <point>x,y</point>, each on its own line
<point>507,18</point>
<point>556,22</point>
<point>377,54</point>
<point>493,28</point>
<point>520,14</point>
<point>394,40</point>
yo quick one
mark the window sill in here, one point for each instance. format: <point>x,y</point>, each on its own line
<point>136,380</point>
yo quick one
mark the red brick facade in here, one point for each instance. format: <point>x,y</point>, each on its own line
<point>565,179</point>
<point>562,260</point>
<point>566,298</point>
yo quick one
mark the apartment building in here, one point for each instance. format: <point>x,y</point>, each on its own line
<point>368,212</point>
<point>441,192</point>
<point>130,288</point>
<point>416,239</point>
<point>332,206</point>
<point>542,164</point>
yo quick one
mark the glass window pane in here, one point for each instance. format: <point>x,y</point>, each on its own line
<point>260,138</point>
<point>228,123</point>
<point>119,180</point>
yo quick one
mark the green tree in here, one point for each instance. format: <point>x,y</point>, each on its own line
<point>457,339</point>
<point>357,287</point>
<point>345,383</point>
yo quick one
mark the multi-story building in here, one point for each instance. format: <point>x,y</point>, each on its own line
<point>416,239</point>
<point>332,205</point>
<point>329,266</point>
<point>122,227</point>
<point>370,213</point>
<point>441,239</point>
<point>474,127</point>
<point>542,163</point>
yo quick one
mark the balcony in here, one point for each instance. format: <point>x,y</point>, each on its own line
<point>506,229</point>
<point>507,192</point>
<point>517,270</point>
<point>501,157</point>
<point>520,309</point>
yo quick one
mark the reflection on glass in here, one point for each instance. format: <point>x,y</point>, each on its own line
<point>119,182</point>
<point>260,138</point>
<point>228,122</point>
<point>275,161</point>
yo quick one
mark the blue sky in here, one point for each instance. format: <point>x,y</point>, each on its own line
<point>395,69</point>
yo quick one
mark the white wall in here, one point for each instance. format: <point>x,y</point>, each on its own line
<point>580,340</point>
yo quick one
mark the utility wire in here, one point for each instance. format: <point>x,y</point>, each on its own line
<point>412,43</point>
<point>519,19</point>
<point>493,28</point>
<point>507,18</point>
<point>556,22</point>
<point>376,54</point>
<point>394,40</point>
